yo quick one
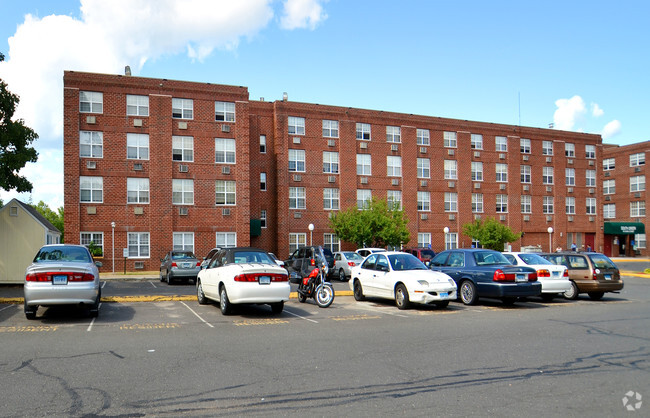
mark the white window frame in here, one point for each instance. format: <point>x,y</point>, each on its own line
<point>640,241</point>
<point>182,192</point>
<point>501,203</point>
<point>451,202</point>
<point>637,184</point>
<point>501,144</point>
<point>91,102</point>
<point>182,108</point>
<point>364,131</point>
<point>394,199</point>
<point>138,244</point>
<point>609,164</point>
<point>590,152</point>
<point>637,159</point>
<point>263,218</point>
<point>524,145</point>
<point>424,168</point>
<point>569,150</point>
<point>263,181</point>
<point>451,170</point>
<point>393,166</point>
<point>451,241</point>
<point>330,162</point>
<point>590,178</point>
<point>424,201</point>
<point>297,198</point>
<point>331,199</point>
<point>423,137</point>
<point>364,197</point>
<point>332,242</point>
<point>548,205</point>
<point>501,172</point>
<point>547,148</point>
<point>137,190</point>
<point>297,240</point>
<point>296,160</point>
<point>296,125</point>
<point>183,241</point>
<point>262,144</point>
<point>91,144</point>
<point>609,186</point>
<point>394,134</point>
<point>225,151</point>
<point>477,171</point>
<point>570,205</point>
<point>526,174</point>
<point>450,139</point>
<point>590,205</point>
<point>225,193</point>
<point>183,148</point>
<point>476,141</point>
<point>330,128</point>
<point>225,239</point>
<point>364,168</point>
<point>224,111</point>
<point>477,202</point>
<point>547,175</point>
<point>137,146</point>
<point>424,239</point>
<point>97,238</point>
<point>526,204</point>
<point>137,105</point>
<point>93,186</point>
<point>609,211</point>
<point>637,209</point>
<point>570,176</point>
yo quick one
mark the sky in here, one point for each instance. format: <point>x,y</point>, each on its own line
<point>580,65</point>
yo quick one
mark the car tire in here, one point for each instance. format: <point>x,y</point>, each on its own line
<point>402,297</point>
<point>169,278</point>
<point>596,295</point>
<point>572,294</point>
<point>94,309</point>
<point>162,278</point>
<point>547,297</point>
<point>277,308</point>
<point>342,275</point>
<point>358,291</point>
<point>442,304</point>
<point>508,301</point>
<point>200,296</point>
<point>30,311</point>
<point>467,292</point>
<point>224,302</point>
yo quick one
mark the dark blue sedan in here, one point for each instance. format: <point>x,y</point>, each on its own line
<point>486,273</point>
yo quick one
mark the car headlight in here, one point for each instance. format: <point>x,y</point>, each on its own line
<point>451,281</point>
<point>423,283</point>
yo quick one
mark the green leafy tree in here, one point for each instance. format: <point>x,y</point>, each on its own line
<point>490,233</point>
<point>55,217</point>
<point>15,141</point>
<point>378,225</point>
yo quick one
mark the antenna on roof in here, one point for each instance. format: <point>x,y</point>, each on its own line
<point>127,70</point>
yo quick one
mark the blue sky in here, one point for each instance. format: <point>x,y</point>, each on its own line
<point>581,65</point>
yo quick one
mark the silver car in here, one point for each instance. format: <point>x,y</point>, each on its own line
<point>179,265</point>
<point>343,261</point>
<point>62,274</point>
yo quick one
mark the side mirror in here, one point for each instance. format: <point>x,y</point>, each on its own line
<point>98,264</point>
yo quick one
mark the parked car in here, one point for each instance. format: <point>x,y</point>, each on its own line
<point>486,273</point>
<point>402,277</point>
<point>62,274</point>
<point>365,252</point>
<point>343,261</point>
<point>554,278</point>
<point>209,256</point>
<point>303,260</point>
<point>277,260</point>
<point>179,265</point>
<point>423,254</point>
<point>243,275</point>
<point>590,273</point>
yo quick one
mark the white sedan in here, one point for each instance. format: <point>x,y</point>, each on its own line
<point>554,278</point>
<point>243,275</point>
<point>403,278</point>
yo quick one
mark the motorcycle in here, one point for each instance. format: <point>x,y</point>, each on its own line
<point>314,285</point>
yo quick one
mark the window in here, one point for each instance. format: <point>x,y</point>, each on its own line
<point>501,144</point>
<point>451,202</point>
<point>224,150</point>
<point>451,241</point>
<point>502,203</point>
<point>263,218</point>
<point>183,241</point>
<point>547,148</point>
<point>609,211</point>
<point>547,205</point>
<point>609,187</point>
<point>263,181</point>
<point>477,171</point>
<point>424,239</point>
<point>609,164</point>
<point>526,204</point>
<point>297,240</point>
<point>639,241</point>
<point>363,131</point>
<point>525,174</point>
<point>424,169</point>
<point>364,197</point>
<point>547,175</point>
<point>91,102</point>
<point>393,166</point>
<point>570,205</point>
<point>137,105</point>
<point>91,189</point>
<point>393,134</point>
<point>423,137</point>
<point>637,209</point>
<point>137,146</point>
<point>262,144</point>
<point>297,198</point>
<point>637,159</point>
<point>138,244</point>
<point>476,141</point>
<point>225,192</point>
<point>224,111</point>
<point>501,173</point>
<point>449,139</point>
<point>330,129</point>
<point>91,144</point>
<point>331,199</point>
<point>591,206</point>
<point>182,108</point>
<point>332,242</point>
<point>297,160</point>
<point>590,178</point>
<point>590,151</point>
<point>137,190</point>
<point>424,201</point>
<point>637,183</point>
<point>330,162</point>
<point>183,148</point>
<point>182,191</point>
<point>226,239</point>
<point>570,176</point>
<point>296,125</point>
<point>477,203</point>
<point>524,145</point>
<point>569,150</point>
<point>394,199</point>
<point>450,170</point>
<point>363,165</point>
<point>97,240</point>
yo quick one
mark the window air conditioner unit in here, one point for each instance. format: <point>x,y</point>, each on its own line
<point>592,218</point>
<point>549,218</point>
<point>526,218</point>
<point>549,159</point>
<point>183,211</point>
<point>549,189</point>
<point>526,157</point>
<point>137,123</point>
<point>297,177</point>
<point>502,156</point>
<point>395,182</point>
<point>637,169</point>
<point>569,189</point>
<point>91,165</point>
<point>363,145</point>
<point>331,143</point>
<point>451,184</point>
<point>363,180</point>
<point>225,128</point>
<point>91,120</point>
<point>138,210</point>
<point>297,215</point>
<point>423,150</point>
<point>394,147</point>
<point>569,218</point>
<point>138,265</point>
<point>608,198</point>
<point>137,166</point>
<point>225,212</point>
<point>591,162</point>
<point>502,186</point>
<point>526,188</point>
<point>569,161</point>
<point>450,152</point>
<point>183,168</point>
<point>424,216</point>
<point>477,154</point>
<point>296,140</point>
<point>502,217</point>
<point>331,179</point>
<point>637,195</point>
<point>225,170</point>
<point>592,191</point>
<point>606,174</point>
<point>477,185</point>
<point>477,217</point>
<point>452,217</point>
<point>182,125</point>
<point>423,183</point>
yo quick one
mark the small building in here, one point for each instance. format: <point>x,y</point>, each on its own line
<point>23,230</point>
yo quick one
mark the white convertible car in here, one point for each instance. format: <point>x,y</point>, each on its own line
<point>243,275</point>
<point>403,278</point>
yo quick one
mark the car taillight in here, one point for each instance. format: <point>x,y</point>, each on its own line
<point>38,277</point>
<point>47,277</point>
<point>312,262</point>
<point>595,275</point>
<point>198,264</point>
<point>543,273</point>
<point>532,277</point>
<point>566,273</point>
<point>254,277</point>
<point>351,263</point>
<point>499,276</point>
<point>80,277</point>
<point>174,264</point>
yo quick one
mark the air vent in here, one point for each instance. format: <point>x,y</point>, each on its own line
<point>137,166</point>
<point>331,179</point>
<point>296,140</point>
<point>297,177</point>
<point>225,128</point>
<point>331,143</point>
<point>569,189</point>
<point>608,198</point>
<point>549,159</point>
<point>91,120</point>
<point>424,216</point>
<point>363,145</point>
<point>137,123</point>
<point>452,217</point>
<point>91,165</point>
<point>138,265</point>
<point>225,170</point>
<point>591,163</point>
<point>182,125</point>
<point>477,185</point>
<point>526,188</point>
<point>183,211</point>
<point>502,186</point>
<point>363,180</point>
<point>451,184</point>
<point>395,182</point>
<point>526,218</point>
<point>394,147</point>
<point>423,150</point>
<point>526,158</point>
<point>606,174</point>
<point>502,217</point>
<point>450,152</point>
<point>569,161</point>
<point>549,189</point>
<point>423,183</point>
<point>225,212</point>
<point>183,168</point>
<point>502,156</point>
<point>477,154</point>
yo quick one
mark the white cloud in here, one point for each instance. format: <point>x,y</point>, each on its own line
<point>301,14</point>
<point>596,111</point>
<point>568,112</point>
<point>613,128</point>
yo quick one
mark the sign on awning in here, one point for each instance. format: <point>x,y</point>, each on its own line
<point>624,228</point>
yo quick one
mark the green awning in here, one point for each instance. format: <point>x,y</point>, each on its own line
<point>624,228</point>
<point>256,227</point>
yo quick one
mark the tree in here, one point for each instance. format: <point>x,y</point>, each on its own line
<point>490,233</point>
<point>15,141</point>
<point>55,218</point>
<point>377,225</point>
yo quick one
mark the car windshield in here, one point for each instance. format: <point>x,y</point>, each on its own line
<point>352,256</point>
<point>182,255</point>
<point>62,254</point>
<point>252,257</point>
<point>428,254</point>
<point>400,262</point>
<point>533,259</point>
<point>486,258</point>
<point>602,261</point>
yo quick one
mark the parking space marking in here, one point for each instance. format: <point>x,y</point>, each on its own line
<point>355,317</point>
<point>376,309</point>
<point>164,325</point>
<point>197,315</point>
<point>299,316</point>
<point>90,327</point>
<point>6,307</point>
<point>29,328</point>
<point>264,321</point>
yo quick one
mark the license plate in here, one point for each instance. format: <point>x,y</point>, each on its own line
<point>265,280</point>
<point>520,277</point>
<point>187,265</point>
<point>556,274</point>
<point>60,279</point>
<point>608,277</point>
<point>444,295</point>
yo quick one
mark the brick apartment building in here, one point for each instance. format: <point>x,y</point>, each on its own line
<point>198,165</point>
